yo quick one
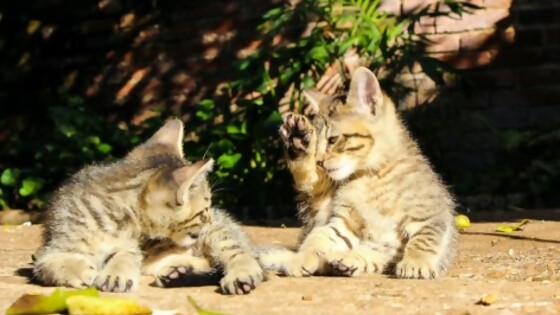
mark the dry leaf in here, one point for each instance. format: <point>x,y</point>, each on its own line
<point>91,305</point>
<point>512,228</point>
<point>200,310</point>
<point>41,304</point>
<point>488,299</point>
<point>462,221</point>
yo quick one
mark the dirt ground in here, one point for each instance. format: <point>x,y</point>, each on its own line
<point>522,269</point>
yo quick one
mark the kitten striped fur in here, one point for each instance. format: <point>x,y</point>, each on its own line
<point>150,213</point>
<point>369,200</point>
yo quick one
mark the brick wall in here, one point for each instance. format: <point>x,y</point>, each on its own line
<point>509,53</point>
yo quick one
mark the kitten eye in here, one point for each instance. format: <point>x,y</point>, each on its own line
<point>332,140</point>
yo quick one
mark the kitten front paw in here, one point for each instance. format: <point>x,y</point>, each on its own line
<point>304,264</point>
<point>345,264</point>
<point>65,269</point>
<point>242,276</point>
<point>416,268</point>
<point>79,274</point>
<point>118,278</point>
<point>298,135</point>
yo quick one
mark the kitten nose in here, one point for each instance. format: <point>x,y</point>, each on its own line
<point>193,235</point>
<point>320,164</point>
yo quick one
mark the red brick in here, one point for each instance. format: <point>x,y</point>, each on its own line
<point>552,35</point>
<point>412,6</point>
<point>532,17</point>
<point>477,40</point>
<point>529,37</point>
<point>390,6</point>
<point>519,57</point>
<point>492,78</point>
<point>441,43</point>
<point>494,3</point>
<point>482,19</point>
<point>537,76</point>
<point>467,60</point>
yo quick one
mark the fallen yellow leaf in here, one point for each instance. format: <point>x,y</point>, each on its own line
<point>512,228</point>
<point>89,305</point>
<point>37,304</point>
<point>462,221</point>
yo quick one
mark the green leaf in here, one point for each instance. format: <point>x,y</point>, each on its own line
<point>228,160</point>
<point>30,186</point>
<point>104,148</point>
<point>34,304</point>
<point>318,53</point>
<point>9,177</point>
<point>200,310</point>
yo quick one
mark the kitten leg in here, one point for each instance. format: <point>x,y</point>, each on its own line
<point>427,252</point>
<point>356,261</point>
<point>319,242</point>
<point>275,258</point>
<point>121,273</point>
<point>65,269</point>
<point>172,265</point>
<point>228,246</point>
<point>300,139</point>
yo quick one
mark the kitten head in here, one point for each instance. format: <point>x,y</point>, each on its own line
<point>180,198</point>
<point>354,132</point>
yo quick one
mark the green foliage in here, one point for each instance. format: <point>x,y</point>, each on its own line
<point>44,153</point>
<point>246,119</point>
<point>239,126</point>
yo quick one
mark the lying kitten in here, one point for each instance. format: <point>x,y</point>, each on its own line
<point>368,198</point>
<point>100,219</point>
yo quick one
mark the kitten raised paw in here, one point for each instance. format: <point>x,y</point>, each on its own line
<point>242,277</point>
<point>298,135</point>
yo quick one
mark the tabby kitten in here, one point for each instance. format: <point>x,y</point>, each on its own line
<point>103,221</point>
<point>368,198</point>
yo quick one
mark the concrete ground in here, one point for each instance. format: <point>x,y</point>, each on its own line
<point>522,270</point>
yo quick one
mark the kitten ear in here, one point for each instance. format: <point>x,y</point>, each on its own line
<point>170,134</point>
<point>188,175</point>
<point>314,98</point>
<point>365,92</point>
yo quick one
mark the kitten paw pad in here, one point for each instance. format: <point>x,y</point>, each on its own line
<point>297,134</point>
<point>173,273</point>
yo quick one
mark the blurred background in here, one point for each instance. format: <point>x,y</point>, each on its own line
<point>477,81</point>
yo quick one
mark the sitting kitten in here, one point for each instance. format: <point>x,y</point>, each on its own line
<point>368,197</point>
<point>100,219</point>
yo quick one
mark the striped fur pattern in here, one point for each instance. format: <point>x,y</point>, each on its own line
<point>369,200</point>
<point>150,213</point>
